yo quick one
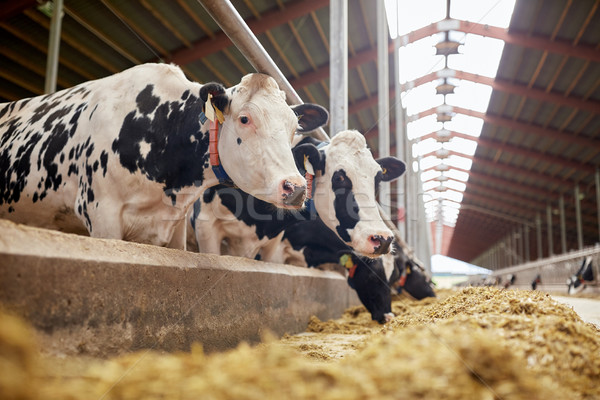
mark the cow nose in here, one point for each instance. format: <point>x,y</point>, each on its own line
<point>381,245</point>
<point>293,195</point>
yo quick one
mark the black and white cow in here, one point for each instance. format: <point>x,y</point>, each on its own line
<point>126,156</point>
<point>577,282</point>
<point>373,279</point>
<point>346,178</point>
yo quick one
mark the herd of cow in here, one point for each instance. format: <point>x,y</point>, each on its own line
<point>145,155</point>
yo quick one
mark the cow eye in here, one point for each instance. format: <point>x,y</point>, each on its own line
<point>244,120</point>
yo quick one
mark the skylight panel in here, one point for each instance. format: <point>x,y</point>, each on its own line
<point>452,195</point>
<point>430,174</point>
<point>461,145</point>
<point>486,12</point>
<point>459,186</point>
<point>430,185</point>
<point>418,58</point>
<point>423,126</point>
<point>471,95</point>
<point>465,124</point>
<point>457,175</point>
<point>478,55</point>
<point>425,146</point>
<point>450,204</point>
<point>421,98</point>
<point>459,162</point>
<point>406,16</point>
<point>430,161</point>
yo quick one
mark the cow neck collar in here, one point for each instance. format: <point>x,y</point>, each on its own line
<point>215,160</point>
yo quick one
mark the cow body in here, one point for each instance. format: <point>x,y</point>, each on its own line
<point>584,275</point>
<point>345,183</point>
<point>126,156</point>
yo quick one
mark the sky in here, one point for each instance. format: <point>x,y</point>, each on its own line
<point>477,55</point>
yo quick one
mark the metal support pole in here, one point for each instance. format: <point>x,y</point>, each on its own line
<point>522,244</point>
<point>230,21</point>
<point>400,140</point>
<point>598,200</point>
<point>549,223</point>
<point>53,47</point>
<point>563,229</point>
<point>338,60</point>
<point>526,243</point>
<point>578,218</point>
<point>538,228</point>
<point>383,84</point>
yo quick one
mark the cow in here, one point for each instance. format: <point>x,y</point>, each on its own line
<point>126,156</point>
<point>577,282</point>
<point>536,281</point>
<point>374,280</point>
<point>343,193</point>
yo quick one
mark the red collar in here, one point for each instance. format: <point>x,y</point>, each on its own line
<point>213,149</point>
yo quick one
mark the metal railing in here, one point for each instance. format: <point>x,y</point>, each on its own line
<point>554,271</point>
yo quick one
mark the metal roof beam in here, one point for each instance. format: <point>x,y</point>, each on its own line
<point>564,47</point>
<point>513,88</point>
<point>537,130</point>
<point>14,7</point>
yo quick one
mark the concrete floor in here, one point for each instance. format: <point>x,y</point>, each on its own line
<point>588,309</point>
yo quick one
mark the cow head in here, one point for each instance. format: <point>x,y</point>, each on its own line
<point>255,138</point>
<point>347,177</point>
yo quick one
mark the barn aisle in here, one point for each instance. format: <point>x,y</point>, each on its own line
<point>588,309</point>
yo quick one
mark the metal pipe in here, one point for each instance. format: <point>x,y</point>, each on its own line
<point>549,222</point>
<point>538,228</point>
<point>230,21</point>
<point>338,60</point>
<point>526,240</point>
<point>563,229</point>
<point>53,47</point>
<point>383,84</point>
<point>578,218</point>
<point>400,138</point>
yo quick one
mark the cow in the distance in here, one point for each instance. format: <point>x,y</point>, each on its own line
<point>345,183</point>
<point>126,156</point>
<point>374,280</point>
<point>577,282</point>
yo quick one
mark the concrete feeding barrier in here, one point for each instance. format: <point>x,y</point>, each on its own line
<point>104,297</point>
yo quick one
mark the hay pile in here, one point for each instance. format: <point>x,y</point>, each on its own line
<point>479,343</point>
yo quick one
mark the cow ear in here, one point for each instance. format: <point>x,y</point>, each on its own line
<point>219,97</point>
<point>310,116</point>
<point>308,152</point>
<point>392,168</point>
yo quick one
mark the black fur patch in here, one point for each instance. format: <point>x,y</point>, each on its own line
<point>178,147</point>
<point>346,208</point>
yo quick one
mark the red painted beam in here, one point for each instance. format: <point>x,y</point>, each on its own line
<point>530,129</point>
<point>513,88</point>
<point>564,47</point>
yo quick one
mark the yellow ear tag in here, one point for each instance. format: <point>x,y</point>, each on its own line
<point>220,116</point>
<point>384,171</point>
<point>209,110</point>
<point>308,166</point>
<point>408,270</point>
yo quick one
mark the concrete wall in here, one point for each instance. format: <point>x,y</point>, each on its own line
<point>104,297</point>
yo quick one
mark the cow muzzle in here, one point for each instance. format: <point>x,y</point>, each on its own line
<point>293,195</point>
<point>381,244</point>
